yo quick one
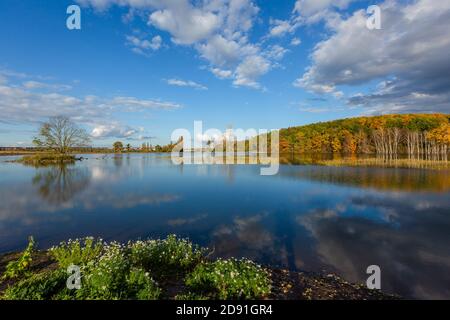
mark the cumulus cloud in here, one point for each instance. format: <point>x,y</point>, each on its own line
<point>183,83</point>
<point>144,46</point>
<point>279,28</point>
<point>275,52</point>
<point>221,51</point>
<point>221,73</point>
<point>217,29</point>
<point>408,56</point>
<point>112,130</point>
<point>250,70</point>
<point>308,12</point>
<point>186,24</point>
<point>296,42</point>
<point>313,11</point>
<point>311,7</point>
<point>26,104</point>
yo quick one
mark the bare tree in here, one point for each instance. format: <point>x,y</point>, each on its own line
<point>61,134</point>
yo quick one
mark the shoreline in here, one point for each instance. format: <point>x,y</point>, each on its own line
<point>286,285</point>
<point>285,159</point>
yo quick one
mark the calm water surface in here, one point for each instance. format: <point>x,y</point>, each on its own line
<point>305,218</point>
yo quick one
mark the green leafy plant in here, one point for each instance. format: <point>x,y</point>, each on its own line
<point>141,286</point>
<point>104,277</point>
<point>166,257</point>
<point>20,267</point>
<point>112,277</point>
<point>41,286</point>
<point>77,252</point>
<point>230,279</point>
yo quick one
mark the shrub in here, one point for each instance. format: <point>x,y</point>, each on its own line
<point>77,252</point>
<point>166,257</point>
<point>141,286</point>
<point>20,267</point>
<point>41,286</point>
<point>42,159</point>
<point>230,279</point>
<point>104,277</point>
<point>112,277</point>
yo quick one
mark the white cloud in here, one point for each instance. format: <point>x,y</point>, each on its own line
<point>275,52</point>
<point>19,104</point>
<point>296,42</point>
<point>313,11</point>
<point>220,51</point>
<point>112,130</point>
<point>186,24</point>
<point>183,83</point>
<point>410,54</point>
<point>13,74</point>
<point>307,12</point>
<point>312,7</point>
<point>217,29</point>
<point>308,83</point>
<point>41,85</point>
<point>144,46</point>
<point>279,28</point>
<point>135,104</point>
<point>250,70</point>
<point>221,73</point>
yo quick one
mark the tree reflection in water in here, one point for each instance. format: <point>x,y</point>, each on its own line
<point>58,184</point>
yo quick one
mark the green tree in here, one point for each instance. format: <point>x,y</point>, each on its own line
<point>118,146</point>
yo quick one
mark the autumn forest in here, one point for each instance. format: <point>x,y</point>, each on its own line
<point>418,136</point>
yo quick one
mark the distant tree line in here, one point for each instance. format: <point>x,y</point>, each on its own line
<point>419,136</point>
<point>118,147</point>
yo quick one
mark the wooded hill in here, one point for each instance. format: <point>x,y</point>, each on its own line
<point>420,136</point>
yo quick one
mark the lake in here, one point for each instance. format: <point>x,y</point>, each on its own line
<point>311,218</point>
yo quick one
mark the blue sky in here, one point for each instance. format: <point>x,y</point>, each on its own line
<point>143,68</point>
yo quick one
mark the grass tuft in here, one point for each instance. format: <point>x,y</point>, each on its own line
<point>43,159</point>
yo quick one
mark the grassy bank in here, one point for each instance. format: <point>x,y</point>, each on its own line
<point>387,163</point>
<point>171,268</point>
<point>42,159</point>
